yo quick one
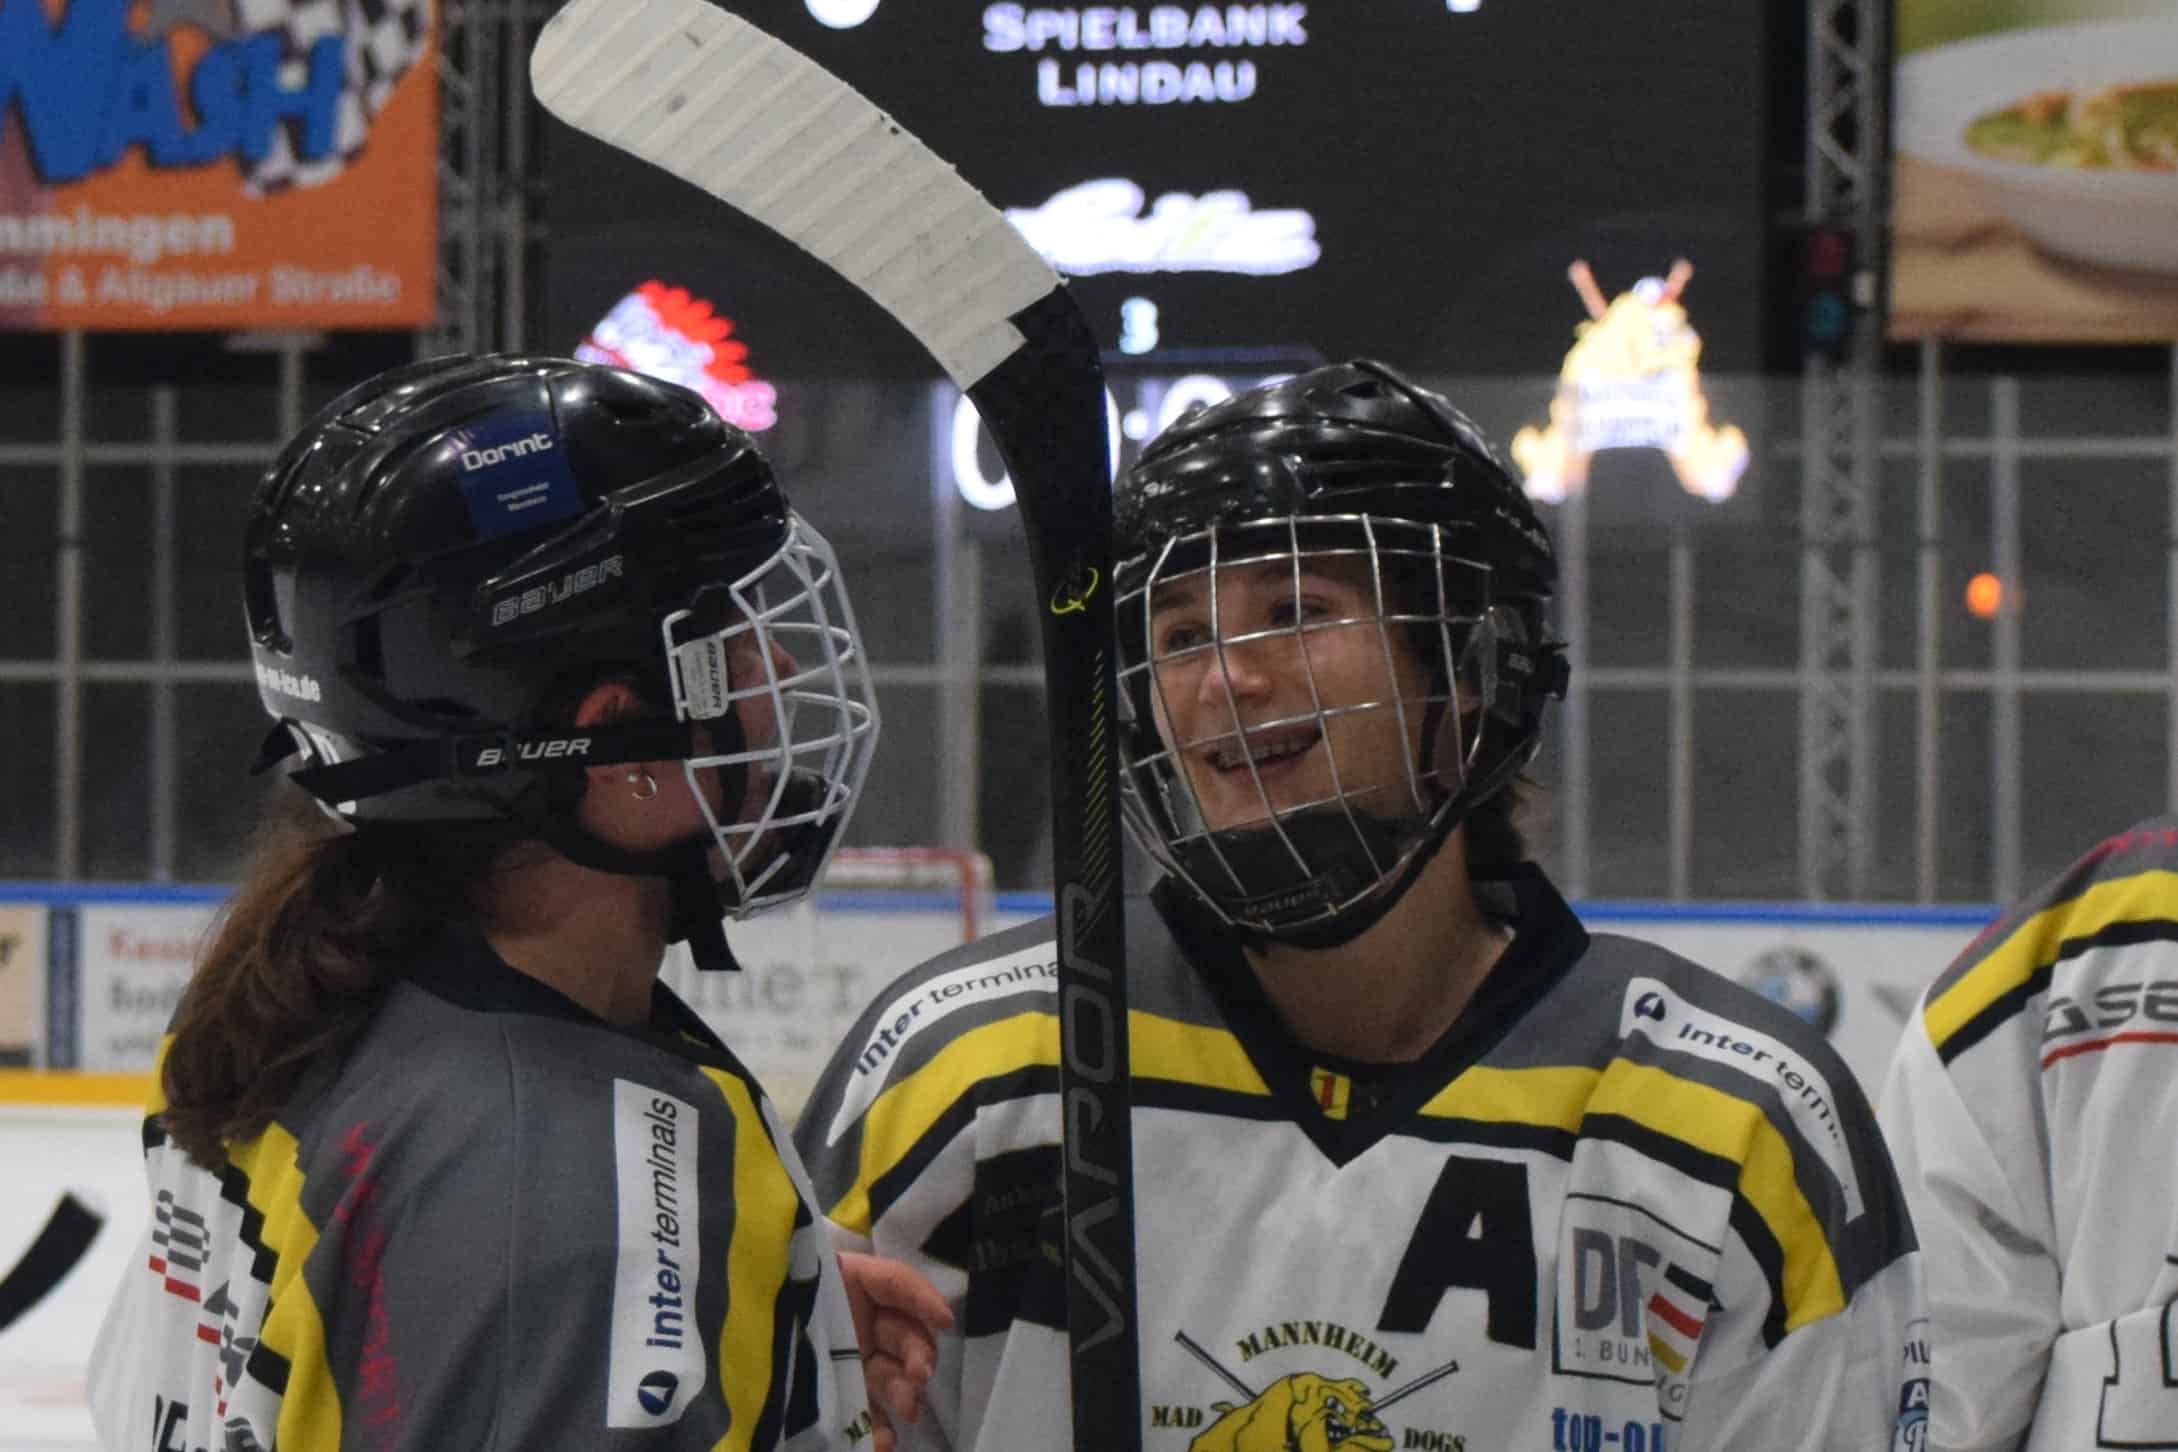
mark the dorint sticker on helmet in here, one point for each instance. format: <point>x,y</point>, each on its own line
<point>514,474</point>
<point>1673,1024</point>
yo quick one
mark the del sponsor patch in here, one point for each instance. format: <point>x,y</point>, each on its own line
<point>1633,1294</point>
<point>1670,1022</point>
<point>514,474</point>
<point>657,1364</point>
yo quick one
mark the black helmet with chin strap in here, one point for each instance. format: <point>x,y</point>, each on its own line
<point>1356,470</point>
<point>448,556</point>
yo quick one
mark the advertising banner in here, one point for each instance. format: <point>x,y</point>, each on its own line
<point>2036,184</point>
<point>22,976</point>
<point>133,961</point>
<point>217,164</point>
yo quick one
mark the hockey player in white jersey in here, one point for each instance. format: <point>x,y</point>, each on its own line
<point>2032,1106</point>
<point>1420,1164</point>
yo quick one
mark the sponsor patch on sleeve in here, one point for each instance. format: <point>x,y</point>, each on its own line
<point>657,1364</point>
<point>1670,1022</point>
<point>940,998</point>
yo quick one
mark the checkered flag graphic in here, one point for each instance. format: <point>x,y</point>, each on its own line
<point>385,38</point>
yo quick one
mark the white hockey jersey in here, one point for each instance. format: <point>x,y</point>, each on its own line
<point>2033,1111</point>
<point>1623,1206</point>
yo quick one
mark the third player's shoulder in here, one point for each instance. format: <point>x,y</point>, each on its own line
<point>2109,918</point>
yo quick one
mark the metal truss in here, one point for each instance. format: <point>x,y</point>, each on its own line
<point>1840,406</point>
<point>484,182</point>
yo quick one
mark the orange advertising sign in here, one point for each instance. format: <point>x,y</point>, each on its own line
<point>218,164</point>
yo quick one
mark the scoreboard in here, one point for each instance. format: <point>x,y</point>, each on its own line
<point>1246,188</point>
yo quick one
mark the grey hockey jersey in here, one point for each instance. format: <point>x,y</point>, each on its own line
<point>497,1222</point>
<point>1623,1206</point>
<point>2032,1107</point>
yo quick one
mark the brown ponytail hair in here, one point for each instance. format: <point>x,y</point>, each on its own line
<point>299,960</point>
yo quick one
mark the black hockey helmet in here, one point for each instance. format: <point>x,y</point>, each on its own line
<point>447,555</point>
<point>1347,467</point>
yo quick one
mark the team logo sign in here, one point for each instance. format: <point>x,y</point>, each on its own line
<point>1303,1411</point>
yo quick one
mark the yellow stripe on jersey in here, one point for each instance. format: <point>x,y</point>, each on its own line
<point>1666,1355</point>
<point>294,1327</point>
<point>1186,1053</point>
<point>756,1264</point>
<point>1553,1098</point>
<point>1158,1048</point>
<point>2035,943</point>
<point>906,1111</point>
<point>1736,1130</point>
<point>1706,1119</point>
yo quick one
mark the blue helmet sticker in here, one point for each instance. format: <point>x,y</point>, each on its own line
<point>514,474</point>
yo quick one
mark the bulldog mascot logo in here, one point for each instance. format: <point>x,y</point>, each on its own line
<point>1303,1412</point>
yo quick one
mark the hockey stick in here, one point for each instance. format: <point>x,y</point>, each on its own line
<point>727,108</point>
<point>64,1240</point>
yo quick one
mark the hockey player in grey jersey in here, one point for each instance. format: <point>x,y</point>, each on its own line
<point>1420,1164</point>
<point>435,1161</point>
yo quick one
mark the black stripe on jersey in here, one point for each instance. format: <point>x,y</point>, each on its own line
<point>1747,1222</point>
<point>793,1408</point>
<point>1754,1233</point>
<point>2014,999</point>
<point>906,1170</point>
<point>1694,1163</point>
<point>1497,1133</point>
<point>268,1368</point>
<point>1693,1285</point>
<point>234,1188</point>
<point>1818,1182</point>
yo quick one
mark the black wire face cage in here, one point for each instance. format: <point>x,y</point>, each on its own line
<point>1308,699</point>
<point>777,648</point>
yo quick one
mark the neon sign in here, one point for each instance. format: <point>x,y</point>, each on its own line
<point>671,335</point>
<point>1099,226</point>
<point>1632,381</point>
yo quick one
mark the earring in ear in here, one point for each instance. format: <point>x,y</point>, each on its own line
<point>646,786</point>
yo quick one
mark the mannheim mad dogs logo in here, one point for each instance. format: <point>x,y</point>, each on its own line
<point>1305,1411</point>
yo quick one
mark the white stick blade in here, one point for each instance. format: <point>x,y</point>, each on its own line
<point>725,107</point>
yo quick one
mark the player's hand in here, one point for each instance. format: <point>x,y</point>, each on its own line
<point>898,1316</point>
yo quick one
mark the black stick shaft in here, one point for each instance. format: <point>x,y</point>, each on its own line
<point>1044,406</point>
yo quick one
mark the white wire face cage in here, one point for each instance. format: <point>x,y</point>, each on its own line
<point>781,654</point>
<point>1313,687</point>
